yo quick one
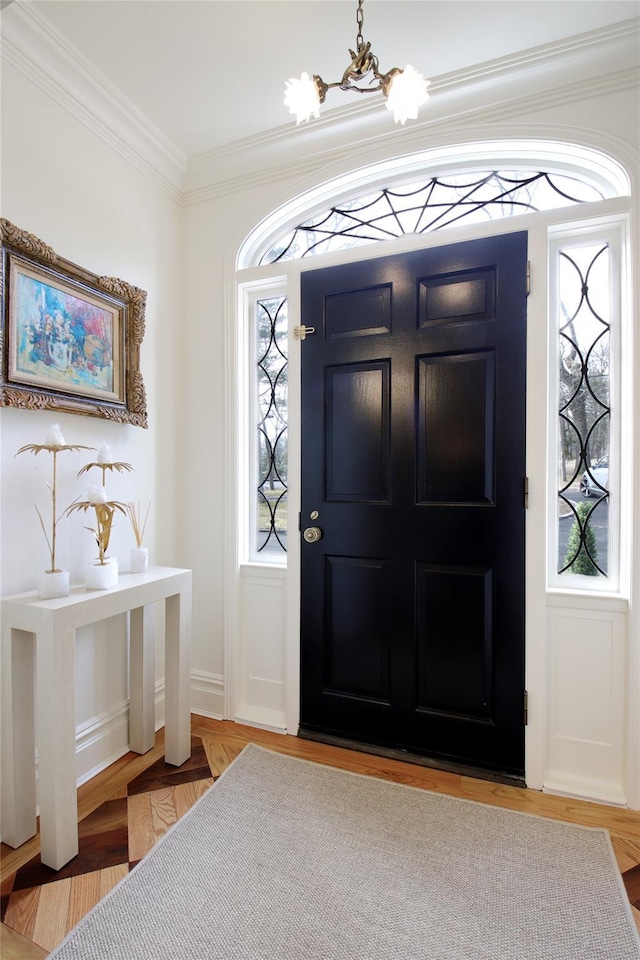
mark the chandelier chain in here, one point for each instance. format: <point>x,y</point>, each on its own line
<point>360,22</point>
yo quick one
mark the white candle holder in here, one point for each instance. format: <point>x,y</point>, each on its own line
<point>101,576</point>
<point>53,584</point>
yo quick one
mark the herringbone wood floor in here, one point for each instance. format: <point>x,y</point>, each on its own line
<point>124,810</point>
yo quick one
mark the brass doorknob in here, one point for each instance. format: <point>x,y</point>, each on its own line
<point>312,534</point>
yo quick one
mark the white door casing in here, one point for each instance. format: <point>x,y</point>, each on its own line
<point>546,743</point>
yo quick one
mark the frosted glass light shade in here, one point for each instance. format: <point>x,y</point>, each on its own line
<point>302,98</point>
<point>407,92</point>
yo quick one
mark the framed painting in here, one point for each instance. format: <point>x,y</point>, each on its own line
<point>70,340</point>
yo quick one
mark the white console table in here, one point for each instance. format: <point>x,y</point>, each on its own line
<point>38,651</point>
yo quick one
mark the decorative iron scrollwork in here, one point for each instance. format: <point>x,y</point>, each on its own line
<point>273,366</point>
<point>434,205</point>
<point>584,407</point>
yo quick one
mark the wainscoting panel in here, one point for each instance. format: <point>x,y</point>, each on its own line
<point>587,656</point>
<point>260,685</point>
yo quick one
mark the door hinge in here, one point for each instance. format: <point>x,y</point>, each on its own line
<point>528,285</point>
<point>300,333</point>
<point>526,707</point>
<point>300,522</point>
<point>526,493</point>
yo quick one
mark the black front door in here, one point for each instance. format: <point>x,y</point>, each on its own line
<point>413,458</point>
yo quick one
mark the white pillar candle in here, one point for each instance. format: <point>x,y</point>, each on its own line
<point>104,454</point>
<point>96,494</point>
<point>54,436</point>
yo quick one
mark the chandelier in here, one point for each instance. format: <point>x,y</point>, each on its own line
<point>405,90</point>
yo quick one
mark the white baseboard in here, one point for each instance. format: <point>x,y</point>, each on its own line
<point>105,738</point>
<point>584,788</point>
<point>101,741</point>
<point>159,704</point>
<point>273,720</point>
<point>207,694</point>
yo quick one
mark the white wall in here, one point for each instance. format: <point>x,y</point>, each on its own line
<point>81,174</point>
<point>202,508</point>
<point>69,188</point>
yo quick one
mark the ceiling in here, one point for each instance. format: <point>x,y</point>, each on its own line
<point>208,73</point>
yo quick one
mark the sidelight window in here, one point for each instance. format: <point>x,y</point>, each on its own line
<point>585,271</point>
<point>271,372</point>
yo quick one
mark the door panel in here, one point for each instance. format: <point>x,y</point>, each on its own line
<point>454,296</point>
<point>413,452</point>
<point>356,595</point>
<point>453,626</point>
<point>460,430</point>
<point>358,313</point>
<point>357,456</point>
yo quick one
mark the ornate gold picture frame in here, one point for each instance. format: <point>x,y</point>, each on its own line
<point>69,339</point>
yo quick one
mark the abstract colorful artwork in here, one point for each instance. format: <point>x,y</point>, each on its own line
<point>62,338</point>
<point>69,339</point>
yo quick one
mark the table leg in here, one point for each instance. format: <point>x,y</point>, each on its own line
<point>142,674</point>
<point>177,677</point>
<point>55,657</point>
<point>18,737</point>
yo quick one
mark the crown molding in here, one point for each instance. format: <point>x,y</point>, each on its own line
<point>41,53</point>
<point>559,96</point>
<point>490,70</point>
<point>559,50</point>
<point>420,134</point>
<point>598,62</point>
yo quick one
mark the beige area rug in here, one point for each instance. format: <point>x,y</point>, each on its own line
<point>283,859</point>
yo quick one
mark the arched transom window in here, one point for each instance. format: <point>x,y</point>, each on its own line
<point>424,206</point>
